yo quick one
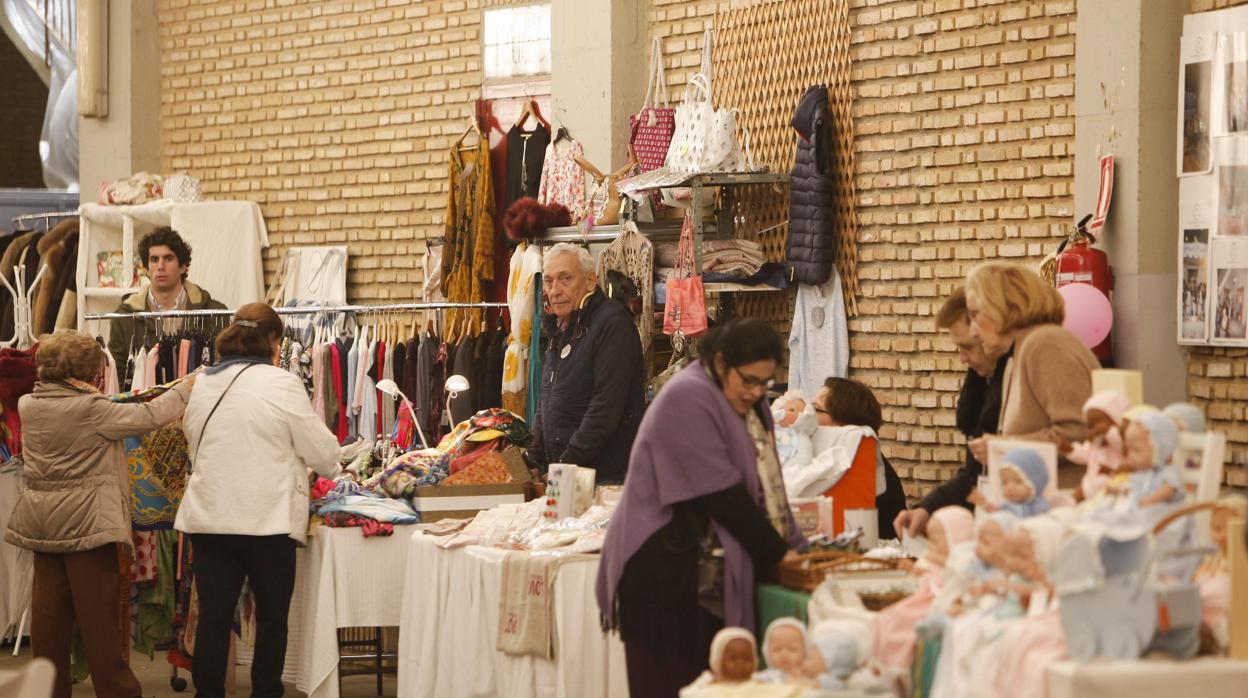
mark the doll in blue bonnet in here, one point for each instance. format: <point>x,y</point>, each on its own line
<point>1150,479</point>
<point>1023,479</point>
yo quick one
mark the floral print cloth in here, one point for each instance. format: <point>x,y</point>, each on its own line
<point>563,181</point>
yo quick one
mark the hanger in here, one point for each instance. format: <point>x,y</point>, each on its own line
<point>473,127</point>
<point>530,109</point>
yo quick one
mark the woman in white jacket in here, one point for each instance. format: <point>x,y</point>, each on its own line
<point>252,436</point>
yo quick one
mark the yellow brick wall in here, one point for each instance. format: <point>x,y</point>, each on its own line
<point>1217,379</point>
<point>334,116</point>
<point>964,118</point>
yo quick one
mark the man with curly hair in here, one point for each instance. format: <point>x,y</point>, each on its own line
<point>166,257</point>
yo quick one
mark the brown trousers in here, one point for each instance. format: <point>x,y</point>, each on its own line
<point>85,588</point>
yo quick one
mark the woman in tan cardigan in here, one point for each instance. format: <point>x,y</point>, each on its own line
<point>1049,375</point>
<point>75,509</point>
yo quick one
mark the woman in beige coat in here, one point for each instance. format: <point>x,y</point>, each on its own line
<point>1049,374</point>
<point>76,508</point>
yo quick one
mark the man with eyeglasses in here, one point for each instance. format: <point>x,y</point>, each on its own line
<point>592,393</point>
<point>979,406</point>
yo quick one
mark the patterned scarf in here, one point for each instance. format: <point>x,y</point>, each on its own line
<point>770,478</point>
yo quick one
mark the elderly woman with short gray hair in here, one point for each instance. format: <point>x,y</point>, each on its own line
<point>75,509</point>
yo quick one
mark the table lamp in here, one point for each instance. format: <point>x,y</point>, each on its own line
<point>454,385</point>
<point>391,388</point>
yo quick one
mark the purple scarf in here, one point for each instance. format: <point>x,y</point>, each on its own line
<point>691,443</point>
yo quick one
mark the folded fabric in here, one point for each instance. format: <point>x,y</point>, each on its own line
<point>770,274</point>
<point>524,613</point>
<point>489,469</point>
<point>374,507</point>
<point>369,527</point>
<point>423,468</point>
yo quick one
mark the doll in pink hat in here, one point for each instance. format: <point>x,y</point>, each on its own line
<point>1102,452</point>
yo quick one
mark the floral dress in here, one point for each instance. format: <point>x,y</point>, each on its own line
<point>563,181</point>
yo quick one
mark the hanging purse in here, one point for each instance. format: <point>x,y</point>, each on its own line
<point>604,199</point>
<point>650,130</point>
<point>685,311</point>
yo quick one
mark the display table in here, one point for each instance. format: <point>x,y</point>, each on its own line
<point>450,621</point>
<point>1205,677</point>
<point>342,580</point>
<point>776,601</point>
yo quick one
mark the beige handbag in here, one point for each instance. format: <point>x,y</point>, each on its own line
<point>604,199</point>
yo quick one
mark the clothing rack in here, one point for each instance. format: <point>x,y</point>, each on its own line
<point>299,310</point>
<point>46,217</point>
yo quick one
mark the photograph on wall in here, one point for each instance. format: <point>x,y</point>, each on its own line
<point>1195,105</point>
<point>1229,291</point>
<point>1195,219</point>
<point>1231,155</point>
<point>1233,90</point>
<point>1194,296</point>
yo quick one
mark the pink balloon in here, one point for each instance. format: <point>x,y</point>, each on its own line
<point>1089,316</point>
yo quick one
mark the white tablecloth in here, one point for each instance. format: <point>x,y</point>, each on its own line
<point>342,580</point>
<point>450,621</point>
<point>1205,677</point>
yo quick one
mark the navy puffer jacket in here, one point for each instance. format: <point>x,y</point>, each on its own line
<point>811,248</point>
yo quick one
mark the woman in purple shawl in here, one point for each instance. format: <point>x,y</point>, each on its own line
<point>703,512</point>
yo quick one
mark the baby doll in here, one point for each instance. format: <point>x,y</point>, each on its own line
<point>1023,479</point>
<point>795,425</point>
<point>1150,479</point>
<point>1187,417</point>
<point>834,659</point>
<point>1102,452</point>
<point>786,648</point>
<point>1214,573</point>
<point>732,661</point>
<point>893,629</point>
<point>987,569</point>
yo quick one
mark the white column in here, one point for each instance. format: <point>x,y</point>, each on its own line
<point>128,139</point>
<point>598,73</point>
<point>1126,81</point>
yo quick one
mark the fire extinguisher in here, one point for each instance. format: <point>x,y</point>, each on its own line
<point>1078,262</point>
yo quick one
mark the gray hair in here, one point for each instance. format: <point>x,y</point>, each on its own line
<point>582,255</point>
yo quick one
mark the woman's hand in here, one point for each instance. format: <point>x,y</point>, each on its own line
<point>791,556</point>
<point>912,521</point>
<point>979,448</point>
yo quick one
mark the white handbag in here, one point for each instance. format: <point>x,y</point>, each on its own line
<point>705,138</point>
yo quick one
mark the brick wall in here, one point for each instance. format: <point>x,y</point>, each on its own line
<point>334,116</point>
<point>1216,376</point>
<point>21,120</point>
<point>964,121</point>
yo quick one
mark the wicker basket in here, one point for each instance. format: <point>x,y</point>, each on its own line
<point>808,571</point>
<point>878,601</point>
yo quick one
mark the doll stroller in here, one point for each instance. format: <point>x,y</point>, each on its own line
<point>1126,591</point>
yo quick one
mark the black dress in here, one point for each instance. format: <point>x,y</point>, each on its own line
<point>526,151</point>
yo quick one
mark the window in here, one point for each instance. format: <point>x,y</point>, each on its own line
<point>517,42</point>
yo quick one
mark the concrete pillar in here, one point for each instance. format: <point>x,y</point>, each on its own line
<point>598,73</point>
<point>1126,77</point>
<point>128,139</point>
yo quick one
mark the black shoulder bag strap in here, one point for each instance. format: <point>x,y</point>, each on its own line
<point>218,404</point>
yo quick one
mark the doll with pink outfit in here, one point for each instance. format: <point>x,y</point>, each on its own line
<point>893,629</point>
<point>1102,452</point>
<point>1214,574</point>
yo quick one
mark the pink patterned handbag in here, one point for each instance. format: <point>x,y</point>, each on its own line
<point>651,129</point>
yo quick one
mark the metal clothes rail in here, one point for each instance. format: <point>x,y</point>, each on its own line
<point>299,310</point>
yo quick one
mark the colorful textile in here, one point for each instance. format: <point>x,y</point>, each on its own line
<point>424,468</point>
<point>153,620</point>
<point>143,569</point>
<point>369,527</point>
<point>379,508</point>
<point>159,466</point>
<point>489,469</point>
<point>487,425</point>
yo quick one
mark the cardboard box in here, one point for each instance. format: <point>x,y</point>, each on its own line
<point>464,501</point>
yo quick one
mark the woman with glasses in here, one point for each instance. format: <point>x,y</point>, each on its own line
<point>703,514</point>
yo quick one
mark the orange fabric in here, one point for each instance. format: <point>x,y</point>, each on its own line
<point>856,489</point>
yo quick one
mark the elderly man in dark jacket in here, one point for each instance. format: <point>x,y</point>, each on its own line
<point>592,393</point>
